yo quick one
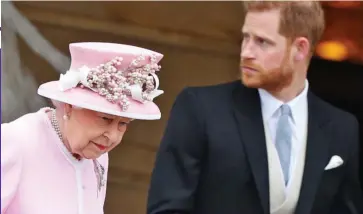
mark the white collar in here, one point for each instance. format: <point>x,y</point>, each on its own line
<point>271,104</point>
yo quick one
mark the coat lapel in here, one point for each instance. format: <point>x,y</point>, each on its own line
<point>317,154</point>
<point>247,110</point>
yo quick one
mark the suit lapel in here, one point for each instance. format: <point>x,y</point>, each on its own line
<point>247,110</point>
<point>317,154</point>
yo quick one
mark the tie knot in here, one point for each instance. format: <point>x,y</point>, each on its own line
<point>285,110</point>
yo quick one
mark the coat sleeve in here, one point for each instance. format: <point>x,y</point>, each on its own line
<point>11,167</point>
<point>350,197</point>
<point>178,161</point>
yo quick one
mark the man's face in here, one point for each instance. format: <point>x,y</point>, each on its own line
<point>265,53</point>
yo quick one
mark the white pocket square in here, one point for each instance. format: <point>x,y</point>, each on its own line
<point>334,162</point>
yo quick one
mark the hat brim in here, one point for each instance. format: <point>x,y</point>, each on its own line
<point>88,99</point>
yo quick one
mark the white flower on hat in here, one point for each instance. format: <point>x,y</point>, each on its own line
<point>73,77</point>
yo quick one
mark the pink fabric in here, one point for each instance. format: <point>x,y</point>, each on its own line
<point>39,176</point>
<point>93,54</point>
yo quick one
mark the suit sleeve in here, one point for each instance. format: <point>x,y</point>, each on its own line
<point>178,162</point>
<point>350,197</point>
<point>11,168</point>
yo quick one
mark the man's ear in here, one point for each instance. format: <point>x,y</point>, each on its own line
<point>301,48</point>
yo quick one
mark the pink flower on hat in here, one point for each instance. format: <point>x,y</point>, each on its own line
<point>115,84</point>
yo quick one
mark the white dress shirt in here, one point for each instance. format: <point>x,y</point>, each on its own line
<point>299,109</point>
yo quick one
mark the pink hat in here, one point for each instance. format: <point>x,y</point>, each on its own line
<point>110,78</point>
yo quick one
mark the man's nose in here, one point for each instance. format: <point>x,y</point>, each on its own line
<point>247,51</point>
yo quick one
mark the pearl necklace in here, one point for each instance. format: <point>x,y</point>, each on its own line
<point>55,125</point>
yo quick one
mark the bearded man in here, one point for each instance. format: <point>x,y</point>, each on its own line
<point>268,145</point>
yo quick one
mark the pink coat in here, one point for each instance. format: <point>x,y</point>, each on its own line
<point>40,176</point>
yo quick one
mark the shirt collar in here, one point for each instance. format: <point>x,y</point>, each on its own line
<point>270,104</point>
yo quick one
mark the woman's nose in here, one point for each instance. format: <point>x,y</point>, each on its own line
<point>115,133</point>
<point>114,136</point>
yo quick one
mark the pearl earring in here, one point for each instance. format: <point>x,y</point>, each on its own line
<point>65,117</point>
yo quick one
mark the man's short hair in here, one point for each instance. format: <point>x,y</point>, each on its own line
<point>298,18</point>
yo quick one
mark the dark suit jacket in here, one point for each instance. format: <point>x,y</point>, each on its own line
<point>213,158</point>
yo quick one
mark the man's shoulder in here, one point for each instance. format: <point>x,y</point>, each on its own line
<point>215,89</point>
<point>336,114</point>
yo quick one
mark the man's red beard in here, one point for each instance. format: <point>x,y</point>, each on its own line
<point>271,80</point>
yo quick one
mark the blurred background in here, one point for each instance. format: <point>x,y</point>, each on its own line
<point>201,44</point>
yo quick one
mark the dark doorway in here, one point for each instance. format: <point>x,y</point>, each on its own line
<point>341,84</point>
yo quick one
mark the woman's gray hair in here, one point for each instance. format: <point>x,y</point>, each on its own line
<point>60,105</point>
<point>57,104</point>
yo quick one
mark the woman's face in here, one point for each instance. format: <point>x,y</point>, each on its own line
<point>90,134</point>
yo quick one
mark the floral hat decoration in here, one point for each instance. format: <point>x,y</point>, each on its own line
<point>111,78</point>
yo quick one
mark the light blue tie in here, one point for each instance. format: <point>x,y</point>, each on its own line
<point>283,140</point>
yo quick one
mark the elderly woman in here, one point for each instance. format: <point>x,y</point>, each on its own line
<point>56,160</point>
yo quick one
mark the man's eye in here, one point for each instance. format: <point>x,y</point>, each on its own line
<point>261,41</point>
